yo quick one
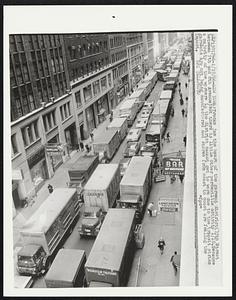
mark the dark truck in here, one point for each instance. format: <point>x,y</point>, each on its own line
<point>110,260</point>
<point>81,170</point>
<point>46,230</point>
<point>67,270</point>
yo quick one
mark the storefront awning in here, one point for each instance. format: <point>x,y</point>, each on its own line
<point>17,175</point>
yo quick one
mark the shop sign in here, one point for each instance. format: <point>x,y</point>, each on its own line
<point>168,205</point>
<point>53,148</point>
<point>37,157</point>
<point>174,166</point>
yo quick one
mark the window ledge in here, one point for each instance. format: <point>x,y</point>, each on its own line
<point>16,155</point>
<point>67,119</point>
<point>27,147</point>
<point>53,128</point>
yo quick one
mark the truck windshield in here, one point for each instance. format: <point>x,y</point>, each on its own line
<point>27,259</point>
<point>89,214</point>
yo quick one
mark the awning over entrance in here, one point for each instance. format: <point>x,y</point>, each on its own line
<point>17,175</point>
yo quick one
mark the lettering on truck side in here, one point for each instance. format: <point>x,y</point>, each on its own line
<point>101,272</point>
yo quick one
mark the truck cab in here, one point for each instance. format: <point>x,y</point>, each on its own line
<point>31,260</point>
<point>132,201</point>
<point>91,221</point>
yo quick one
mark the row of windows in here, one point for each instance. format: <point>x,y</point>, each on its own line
<point>30,133</point>
<point>118,72</point>
<point>118,56</point>
<point>136,61</point>
<point>20,43</point>
<point>19,72</point>
<point>89,67</point>
<point>84,50</point>
<point>117,41</point>
<point>134,38</point>
<point>65,111</point>
<point>49,121</point>
<point>135,50</point>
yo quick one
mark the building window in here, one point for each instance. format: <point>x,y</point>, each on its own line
<point>12,44</point>
<point>49,121</point>
<point>104,83</point>
<point>96,87</point>
<point>65,111</point>
<point>19,43</point>
<point>30,133</point>
<point>109,80</point>
<point>87,93</point>
<point>78,99</point>
<point>14,145</point>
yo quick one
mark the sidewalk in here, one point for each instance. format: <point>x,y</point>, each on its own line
<point>156,269</point>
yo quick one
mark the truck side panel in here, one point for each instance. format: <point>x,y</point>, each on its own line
<point>102,275</point>
<point>96,198</point>
<point>37,238</point>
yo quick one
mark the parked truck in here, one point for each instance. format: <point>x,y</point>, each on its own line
<point>45,231</point>
<point>107,143</point>
<point>80,171</point>
<point>67,270</point>
<point>129,110</point>
<point>136,184</point>
<point>139,97</point>
<point>146,87</point>
<point>161,114</point>
<point>151,77</point>
<point>121,125</point>
<point>110,260</point>
<point>100,193</point>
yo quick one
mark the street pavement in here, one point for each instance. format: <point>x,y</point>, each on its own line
<point>150,268</point>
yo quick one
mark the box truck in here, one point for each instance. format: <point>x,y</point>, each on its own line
<point>121,125</point>
<point>161,114</point>
<point>146,87</point>
<point>110,260</point>
<point>67,269</point>
<point>100,193</point>
<point>151,76</point>
<point>136,184</point>
<point>107,143</point>
<point>139,97</point>
<point>46,229</point>
<point>80,171</point>
<point>129,110</point>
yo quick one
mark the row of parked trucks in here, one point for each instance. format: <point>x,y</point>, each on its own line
<point>101,189</point>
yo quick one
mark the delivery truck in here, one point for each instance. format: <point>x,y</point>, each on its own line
<point>173,76</point>
<point>146,87</point>
<point>46,230</point>
<point>80,171</point>
<point>121,125</point>
<point>67,269</point>
<point>106,143</point>
<point>136,184</point>
<point>139,97</point>
<point>151,77</point>
<point>129,110</point>
<point>100,193</point>
<point>110,260</point>
<point>166,95</point>
<point>161,114</point>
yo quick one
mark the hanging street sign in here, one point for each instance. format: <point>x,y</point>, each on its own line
<point>174,165</point>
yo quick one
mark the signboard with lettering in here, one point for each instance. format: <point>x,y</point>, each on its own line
<point>174,165</point>
<point>53,148</point>
<point>168,205</point>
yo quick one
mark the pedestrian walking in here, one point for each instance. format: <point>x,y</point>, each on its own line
<point>186,85</point>
<point>183,111</point>
<point>181,177</point>
<point>50,188</point>
<point>161,245</point>
<point>179,85</point>
<point>185,140</point>
<point>172,179</point>
<point>91,136</point>
<point>172,112</point>
<point>168,137</point>
<point>150,208</point>
<point>81,146</point>
<point>186,99</point>
<point>172,260</point>
<point>181,101</point>
<point>87,148</point>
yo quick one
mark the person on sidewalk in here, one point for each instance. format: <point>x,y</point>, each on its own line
<point>161,245</point>
<point>91,136</point>
<point>181,177</point>
<point>81,146</point>
<point>186,99</point>
<point>173,262</point>
<point>150,208</point>
<point>87,148</point>
<point>186,85</point>
<point>50,188</point>
<point>172,112</point>
<point>168,137</point>
<point>185,140</point>
<point>183,111</point>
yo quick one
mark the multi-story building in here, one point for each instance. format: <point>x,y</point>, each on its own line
<point>119,62</point>
<point>41,110</point>
<point>172,36</point>
<point>162,43</point>
<point>91,79</point>
<point>148,43</point>
<point>135,50</point>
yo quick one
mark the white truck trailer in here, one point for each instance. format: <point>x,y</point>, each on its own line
<point>121,125</point>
